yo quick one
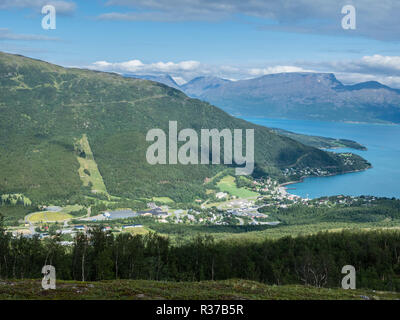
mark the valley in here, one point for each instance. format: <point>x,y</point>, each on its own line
<point>101,168</point>
<point>74,171</point>
<point>199,150</point>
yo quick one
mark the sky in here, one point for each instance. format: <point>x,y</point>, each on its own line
<point>233,39</point>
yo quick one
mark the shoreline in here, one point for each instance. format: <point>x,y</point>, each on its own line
<point>318,120</point>
<point>344,147</point>
<point>328,175</point>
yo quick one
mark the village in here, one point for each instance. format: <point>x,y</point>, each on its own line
<point>254,207</point>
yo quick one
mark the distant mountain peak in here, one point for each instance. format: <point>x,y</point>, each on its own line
<point>199,84</point>
<point>368,85</point>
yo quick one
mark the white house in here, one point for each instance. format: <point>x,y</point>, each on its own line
<point>221,195</point>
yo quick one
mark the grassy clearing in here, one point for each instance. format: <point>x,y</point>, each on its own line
<point>48,216</point>
<point>88,170</point>
<point>69,209</point>
<point>223,204</point>
<point>52,216</point>
<point>138,230</point>
<point>228,184</point>
<point>164,200</point>
<point>99,201</point>
<point>219,174</point>
<point>207,290</point>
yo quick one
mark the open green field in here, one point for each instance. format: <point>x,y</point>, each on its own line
<point>205,290</point>
<point>89,165</point>
<point>48,216</point>
<point>135,231</point>
<point>51,216</point>
<point>219,174</point>
<point>101,201</point>
<point>71,208</point>
<point>228,184</point>
<point>164,200</point>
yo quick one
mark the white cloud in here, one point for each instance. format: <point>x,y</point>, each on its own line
<point>139,67</point>
<point>385,69</point>
<point>184,71</point>
<point>172,67</point>
<point>375,64</point>
<point>62,7</point>
<point>352,78</point>
<point>385,62</point>
<point>276,69</point>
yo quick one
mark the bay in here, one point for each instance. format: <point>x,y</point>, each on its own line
<point>382,141</point>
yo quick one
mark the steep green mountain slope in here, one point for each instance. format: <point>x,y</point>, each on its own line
<point>45,109</point>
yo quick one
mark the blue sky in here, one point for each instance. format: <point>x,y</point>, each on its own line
<point>227,38</point>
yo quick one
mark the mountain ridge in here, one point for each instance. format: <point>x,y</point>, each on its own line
<point>300,95</point>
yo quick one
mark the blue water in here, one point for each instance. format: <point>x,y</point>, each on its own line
<point>382,141</point>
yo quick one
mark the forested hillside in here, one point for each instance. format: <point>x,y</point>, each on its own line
<point>314,260</point>
<point>45,109</point>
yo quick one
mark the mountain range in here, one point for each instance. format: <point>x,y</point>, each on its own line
<point>49,113</point>
<point>305,96</point>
